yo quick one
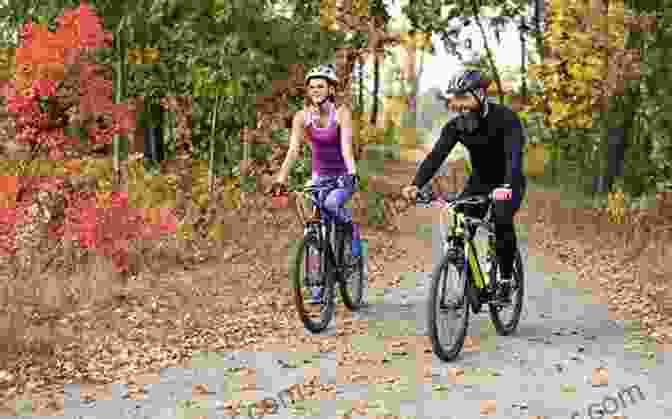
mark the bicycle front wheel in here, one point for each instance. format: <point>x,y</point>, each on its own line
<point>352,285</point>
<point>448,309</point>
<point>313,283</point>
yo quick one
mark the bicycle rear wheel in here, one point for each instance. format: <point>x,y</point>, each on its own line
<point>505,328</point>
<point>447,297</point>
<point>352,285</point>
<point>306,278</point>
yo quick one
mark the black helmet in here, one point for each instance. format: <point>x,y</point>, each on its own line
<point>468,81</point>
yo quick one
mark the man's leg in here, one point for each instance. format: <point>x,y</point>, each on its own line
<point>506,240</point>
<point>473,187</point>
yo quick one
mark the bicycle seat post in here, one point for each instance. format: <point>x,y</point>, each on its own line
<point>315,216</point>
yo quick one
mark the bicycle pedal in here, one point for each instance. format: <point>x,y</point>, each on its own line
<point>451,305</point>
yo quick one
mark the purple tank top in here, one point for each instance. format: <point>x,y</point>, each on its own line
<point>326,145</point>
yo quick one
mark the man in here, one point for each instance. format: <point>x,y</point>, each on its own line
<point>494,136</point>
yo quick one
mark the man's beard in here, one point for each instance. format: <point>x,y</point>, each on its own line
<point>468,122</point>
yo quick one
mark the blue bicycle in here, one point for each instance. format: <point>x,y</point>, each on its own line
<point>324,258</point>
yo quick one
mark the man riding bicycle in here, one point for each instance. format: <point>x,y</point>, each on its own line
<point>494,136</point>
<point>328,130</point>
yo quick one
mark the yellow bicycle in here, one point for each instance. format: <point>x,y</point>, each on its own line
<point>470,284</point>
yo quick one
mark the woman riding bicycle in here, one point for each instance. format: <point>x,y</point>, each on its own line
<point>328,130</point>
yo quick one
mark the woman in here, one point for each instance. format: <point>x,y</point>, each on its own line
<point>328,129</point>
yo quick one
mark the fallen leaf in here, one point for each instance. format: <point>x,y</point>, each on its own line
<point>6,376</point>
<point>488,407</point>
<point>456,375</point>
<point>471,344</point>
<point>201,389</point>
<point>599,377</point>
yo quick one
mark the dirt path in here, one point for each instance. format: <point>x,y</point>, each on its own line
<point>213,342</point>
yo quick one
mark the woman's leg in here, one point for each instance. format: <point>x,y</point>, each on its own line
<point>335,203</point>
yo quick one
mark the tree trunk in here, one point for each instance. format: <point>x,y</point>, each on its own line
<point>523,56</point>
<point>211,163</point>
<point>376,87</point>
<point>360,99</point>
<point>119,95</point>
<point>153,129</point>
<point>538,19</point>
<point>491,59</point>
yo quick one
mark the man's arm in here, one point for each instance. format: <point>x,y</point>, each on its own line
<point>433,161</point>
<point>514,142</point>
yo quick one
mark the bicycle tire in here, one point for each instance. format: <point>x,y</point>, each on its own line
<point>327,312</point>
<point>446,355</point>
<point>353,304</point>
<point>519,280</point>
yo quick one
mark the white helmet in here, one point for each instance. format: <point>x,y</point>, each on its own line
<point>325,71</point>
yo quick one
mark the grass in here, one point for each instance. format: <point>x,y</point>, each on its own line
<point>376,295</point>
<point>571,197</point>
<point>560,280</point>
<point>24,407</point>
<point>191,409</point>
<point>487,335</point>
<point>568,391</point>
<point>635,341</point>
<point>52,292</point>
<point>574,197</point>
<point>424,232</point>
<point>522,231</point>
<point>408,281</point>
<point>567,280</point>
<point>208,360</point>
<point>480,376</point>
<point>391,328</point>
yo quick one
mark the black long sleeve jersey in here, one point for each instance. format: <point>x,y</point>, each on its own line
<point>496,150</point>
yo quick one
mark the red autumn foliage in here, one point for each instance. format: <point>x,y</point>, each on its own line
<point>41,102</point>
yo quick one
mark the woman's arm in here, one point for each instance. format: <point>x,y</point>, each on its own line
<point>346,139</point>
<point>294,147</point>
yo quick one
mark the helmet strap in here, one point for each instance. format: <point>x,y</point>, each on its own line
<point>323,104</point>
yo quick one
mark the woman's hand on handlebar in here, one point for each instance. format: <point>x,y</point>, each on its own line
<point>278,189</point>
<point>410,192</point>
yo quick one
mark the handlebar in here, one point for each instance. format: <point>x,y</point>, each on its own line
<point>283,190</point>
<point>428,200</point>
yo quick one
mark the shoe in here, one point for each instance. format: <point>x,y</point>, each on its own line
<point>353,261</point>
<point>504,290</point>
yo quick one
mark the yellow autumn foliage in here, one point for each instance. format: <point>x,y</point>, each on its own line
<point>616,207</point>
<point>578,69</point>
<point>328,12</point>
<point>360,7</point>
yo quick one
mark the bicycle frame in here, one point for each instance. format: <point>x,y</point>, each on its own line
<point>461,227</point>
<point>324,222</point>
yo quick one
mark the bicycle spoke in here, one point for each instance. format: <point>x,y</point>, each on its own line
<point>448,311</point>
